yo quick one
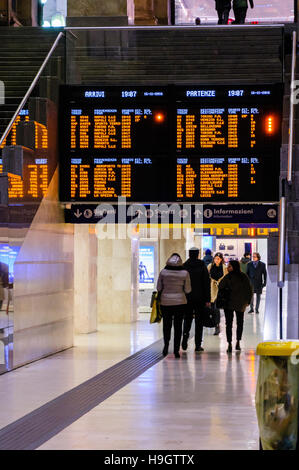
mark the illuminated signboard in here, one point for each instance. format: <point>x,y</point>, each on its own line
<point>226,178</point>
<point>31,139</point>
<point>176,143</point>
<point>219,120</point>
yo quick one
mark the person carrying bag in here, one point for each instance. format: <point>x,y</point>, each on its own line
<point>235,292</point>
<point>173,285</point>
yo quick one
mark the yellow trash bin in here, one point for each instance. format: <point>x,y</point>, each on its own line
<point>277,394</point>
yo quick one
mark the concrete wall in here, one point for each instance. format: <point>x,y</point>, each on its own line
<point>44,284</point>
<point>97,8</point>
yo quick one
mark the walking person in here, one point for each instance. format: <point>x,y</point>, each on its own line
<point>244,262</point>
<point>257,273</point>
<point>223,8</point>
<point>237,289</point>
<point>198,299</point>
<point>173,285</point>
<point>217,271</point>
<point>240,8</point>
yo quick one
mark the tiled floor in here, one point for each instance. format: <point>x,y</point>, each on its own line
<point>197,402</point>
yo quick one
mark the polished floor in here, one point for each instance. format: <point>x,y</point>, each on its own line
<point>201,401</point>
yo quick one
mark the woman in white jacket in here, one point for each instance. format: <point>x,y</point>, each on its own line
<point>217,271</point>
<point>173,285</point>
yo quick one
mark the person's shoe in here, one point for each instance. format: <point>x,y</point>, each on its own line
<point>257,311</point>
<point>200,349</point>
<point>251,311</point>
<point>217,330</point>
<point>177,355</point>
<point>230,348</point>
<point>238,347</point>
<point>185,343</point>
<point>165,351</point>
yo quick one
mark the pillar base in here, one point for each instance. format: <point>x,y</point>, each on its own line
<point>95,21</point>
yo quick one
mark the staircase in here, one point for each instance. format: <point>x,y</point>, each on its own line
<point>182,55</point>
<point>22,51</point>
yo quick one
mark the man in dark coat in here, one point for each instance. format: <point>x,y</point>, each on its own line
<point>198,299</point>
<point>240,10</point>
<point>223,8</point>
<point>257,273</point>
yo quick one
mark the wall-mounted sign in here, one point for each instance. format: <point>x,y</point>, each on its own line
<point>256,214</point>
<point>146,267</point>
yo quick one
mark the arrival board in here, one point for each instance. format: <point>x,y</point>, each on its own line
<point>175,143</point>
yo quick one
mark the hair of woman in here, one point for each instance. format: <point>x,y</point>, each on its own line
<point>220,255</point>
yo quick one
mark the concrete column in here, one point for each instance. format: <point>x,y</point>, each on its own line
<point>144,13</point>
<point>117,281</point>
<point>85,279</point>
<point>27,12</point>
<point>97,13</point>
<point>162,11</point>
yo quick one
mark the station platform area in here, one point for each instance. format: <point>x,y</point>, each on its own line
<point>201,401</point>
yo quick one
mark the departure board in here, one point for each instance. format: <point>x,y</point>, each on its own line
<point>222,119</point>
<point>170,143</point>
<point>232,178</point>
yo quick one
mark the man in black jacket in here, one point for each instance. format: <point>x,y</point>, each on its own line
<point>223,8</point>
<point>240,10</point>
<point>199,297</point>
<point>257,273</point>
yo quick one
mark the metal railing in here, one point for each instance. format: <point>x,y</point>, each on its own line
<point>292,110</point>
<point>30,89</point>
<point>283,199</point>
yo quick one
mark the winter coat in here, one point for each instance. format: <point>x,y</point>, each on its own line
<point>242,3</point>
<point>223,4</point>
<point>200,282</point>
<point>257,276</point>
<point>243,264</point>
<point>240,291</point>
<point>214,283</point>
<point>174,283</point>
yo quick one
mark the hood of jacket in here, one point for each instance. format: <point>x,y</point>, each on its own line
<point>174,262</point>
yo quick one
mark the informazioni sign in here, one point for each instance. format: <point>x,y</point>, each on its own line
<point>258,214</point>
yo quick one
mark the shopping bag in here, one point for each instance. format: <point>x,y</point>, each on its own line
<point>156,315</point>
<point>209,317</point>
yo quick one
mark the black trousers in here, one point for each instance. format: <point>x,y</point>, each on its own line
<point>217,313</point>
<point>223,15</point>
<point>197,311</point>
<point>229,318</point>
<point>257,304</point>
<point>173,314</point>
<point>240,15</point>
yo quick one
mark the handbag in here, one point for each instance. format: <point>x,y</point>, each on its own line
<point>209,317</point>
<point>223,297</point>
<point>156,315</point>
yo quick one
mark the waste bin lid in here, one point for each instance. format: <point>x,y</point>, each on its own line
<point>278,348</point>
